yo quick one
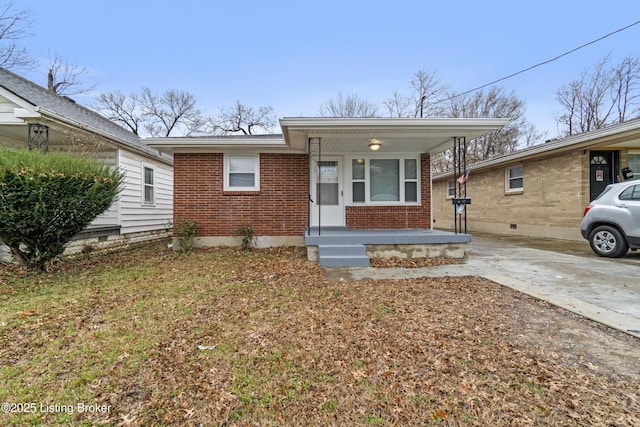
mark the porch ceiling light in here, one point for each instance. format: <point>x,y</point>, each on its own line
<point>375,144</point>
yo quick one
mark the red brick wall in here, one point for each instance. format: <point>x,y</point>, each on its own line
<point>278,209</point>
<point>362,217</point>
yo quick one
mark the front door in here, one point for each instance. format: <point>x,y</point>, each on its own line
<point>602,167</point>
<point>327,204</point>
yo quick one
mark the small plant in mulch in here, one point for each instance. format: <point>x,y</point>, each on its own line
<point>412,262</point>
<point>185,231</point>
<point>246,232</point>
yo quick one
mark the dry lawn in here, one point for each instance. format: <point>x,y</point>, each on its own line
<point>231,338</point>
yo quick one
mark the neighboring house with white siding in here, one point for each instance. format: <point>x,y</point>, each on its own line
<point>31,116</point>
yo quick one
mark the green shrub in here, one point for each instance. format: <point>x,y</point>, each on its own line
<point>46,199</point>
<point>185,231</point>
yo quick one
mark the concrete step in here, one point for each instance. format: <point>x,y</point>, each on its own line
<point>343,256</point>
<point>353,249</point>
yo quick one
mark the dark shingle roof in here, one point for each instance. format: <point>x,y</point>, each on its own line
<point>67,109</point>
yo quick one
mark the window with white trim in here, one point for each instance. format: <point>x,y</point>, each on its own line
<point>634,163</point>
<point>148,192</point>
<point>242,173</point>
<point>385,180</point>
<point>358,182</point>
<point>451,189</point>
<point>515,178</point>
<point>410,180</point>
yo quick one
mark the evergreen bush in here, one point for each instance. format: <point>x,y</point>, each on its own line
<point>46,199</point>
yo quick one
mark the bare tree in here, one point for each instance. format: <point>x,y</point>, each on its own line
<point>399,105</point>
<point>124,110</point>
<point>243,119</point>
<point>518,133</point>
<point>174,112</point>
<point>64,78</point>
<point>167,113</point>
<point>626,88</point>
<point>428,94</point>
<point>602,95</point>
<point>350,106</point>
<point>424,100</point>
<point>14,26</point>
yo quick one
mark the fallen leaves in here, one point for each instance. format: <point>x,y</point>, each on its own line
<point>224,337</point>
<point>412,262</point>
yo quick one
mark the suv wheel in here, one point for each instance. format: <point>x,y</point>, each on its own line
<point>607,241</point>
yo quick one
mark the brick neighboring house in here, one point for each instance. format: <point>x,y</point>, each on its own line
<point>321,176</point>
<point>542,191</point>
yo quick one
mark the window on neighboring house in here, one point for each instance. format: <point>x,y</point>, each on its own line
<point>242,173</point>
<point>378,180</point>
<point>149,185</point>
<point>451,189</point>
<point>515,178</point>
<point>634,164</point>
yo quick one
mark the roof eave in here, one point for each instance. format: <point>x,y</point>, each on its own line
<point>214,144</point>
<point>118,141</point>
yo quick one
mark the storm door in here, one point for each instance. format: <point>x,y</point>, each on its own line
<point>327,203</point>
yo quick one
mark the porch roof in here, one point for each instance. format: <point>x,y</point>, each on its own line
<point>398,135</point>
<point>342,135</point>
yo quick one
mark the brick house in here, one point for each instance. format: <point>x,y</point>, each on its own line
<point>542,191</point>
<point>322,182</point>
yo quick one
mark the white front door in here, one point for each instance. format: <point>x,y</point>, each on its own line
<point>327,202</point>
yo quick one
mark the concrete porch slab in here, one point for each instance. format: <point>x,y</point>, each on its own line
<point>385,243</point>
<point>343,236</point>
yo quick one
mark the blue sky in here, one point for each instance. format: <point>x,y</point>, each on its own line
<point>295,55</point>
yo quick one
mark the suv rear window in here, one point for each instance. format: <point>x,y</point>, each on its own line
<point>605,191</point>
<point>630,193</point>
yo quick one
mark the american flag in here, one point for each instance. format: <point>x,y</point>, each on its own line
<point>462,178</point>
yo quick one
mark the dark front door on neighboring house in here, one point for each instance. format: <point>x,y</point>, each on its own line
<point>602,171</point>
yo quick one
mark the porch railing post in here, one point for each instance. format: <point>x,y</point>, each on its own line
<point>319,186</point>
<point>460,200</point>
<point>311,142</point>
<point>309,201</point>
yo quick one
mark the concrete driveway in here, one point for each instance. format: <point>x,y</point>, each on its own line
<point>564,273</point>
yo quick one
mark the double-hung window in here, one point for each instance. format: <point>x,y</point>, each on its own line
<point>242,173</point>
<point>410,180</point>
<point>451,189</point>
<point>634,163</point>
<point>515,179</point>
<point>384,180</point>
<point>148,185</point>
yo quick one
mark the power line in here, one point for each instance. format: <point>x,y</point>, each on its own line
<point>545,62</point>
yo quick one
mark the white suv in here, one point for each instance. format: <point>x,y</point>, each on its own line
<point>611,222</point>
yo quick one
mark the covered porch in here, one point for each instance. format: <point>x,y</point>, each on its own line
<point>375,173</point>
<point>370,185</point>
